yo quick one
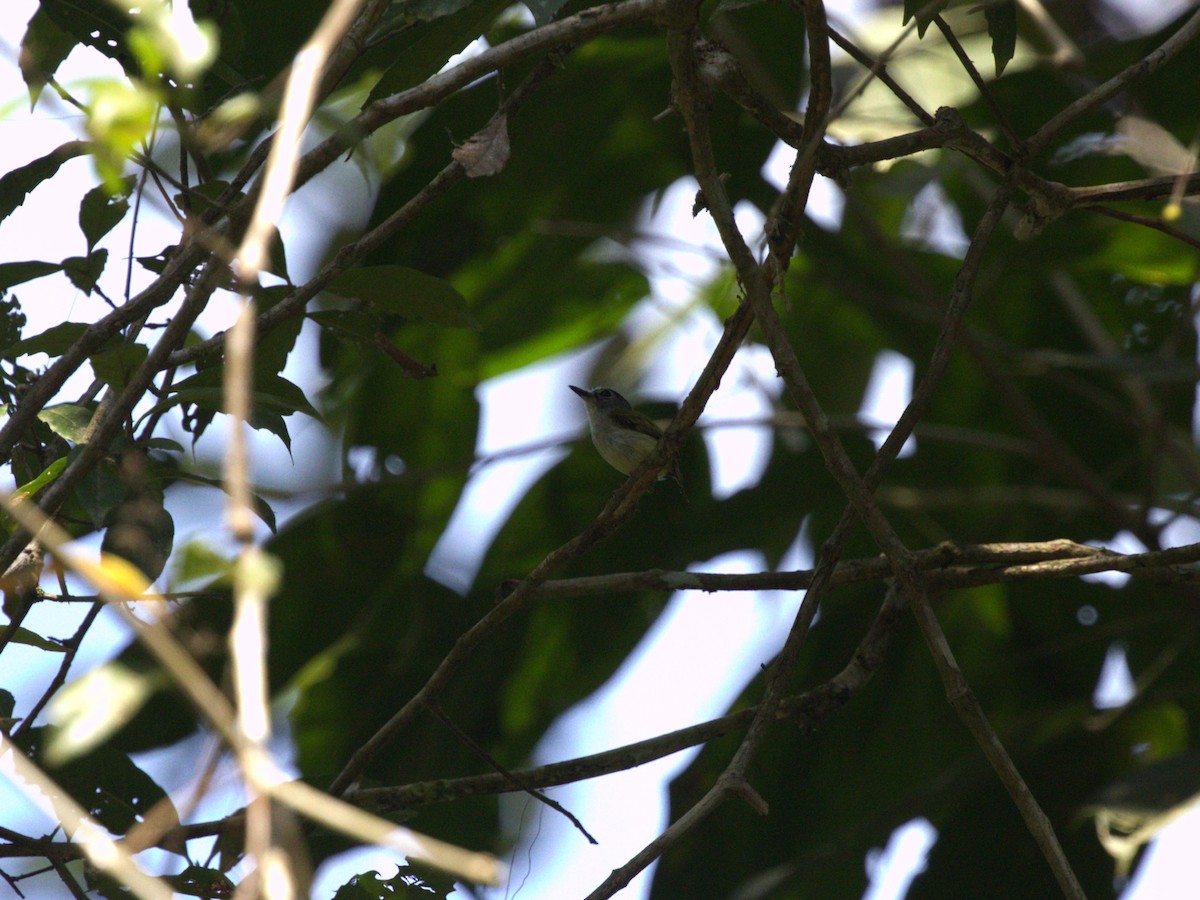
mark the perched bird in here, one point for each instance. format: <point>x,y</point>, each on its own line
<point>20,581</point>
<point>623,435</point>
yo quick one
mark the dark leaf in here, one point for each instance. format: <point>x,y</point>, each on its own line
<point>925,11</point>
<point>198,881</point>
<point>85,271</point>
<point>422,49</point>
<point>105,782</point>
<point>101,210</point>
<point>406,292</point>
<point>95,23</point>
<point>273,398</point>
<point>20,272</point>
<point>53,341</point>
<point>159,261</point>
<point>141,532</point>
<point>16,185</point>
<point>114,366</point>
<point>43,48</point>
<point>1002,29</point>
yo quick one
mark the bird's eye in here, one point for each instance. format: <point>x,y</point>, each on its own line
<point>605,393</point>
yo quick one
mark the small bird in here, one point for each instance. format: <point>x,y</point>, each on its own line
<point>623,435</point>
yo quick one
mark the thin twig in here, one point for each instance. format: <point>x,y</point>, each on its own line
<point>880,69</point>
<point>957,689</point>
<point>64,666</point>
<point>513,779</point>
<point>1146,222</point>
<point>1140,69</point>
<point>1014,140</point>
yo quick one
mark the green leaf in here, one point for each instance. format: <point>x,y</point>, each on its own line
<point>43,48</point>
<point>100,491</point>
<point>406,292</point>
<point>162,443</point>
<point>273,398</point>
<point>91,708</point>
<point>271,352</point>
<point>101,210</point>
<point>198,566</point>
<point>84,271</point>
<point>1002,29</point>
<point>925,12</point>
<point>32,639</point>
<point>19,272</point>
<point>115,366</point>
<point>47,475</point>
<point>67,420</point>
<point>53,341</point>
<point>16,185</point>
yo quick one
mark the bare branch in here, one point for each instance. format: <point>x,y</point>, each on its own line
<point>1140,69</point>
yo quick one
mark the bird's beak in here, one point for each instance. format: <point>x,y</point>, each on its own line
<point>580,391</point>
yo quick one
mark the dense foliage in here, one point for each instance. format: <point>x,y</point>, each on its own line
<point>1062,416</point>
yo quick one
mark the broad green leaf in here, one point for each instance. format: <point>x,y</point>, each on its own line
<point>16,185</point>
<point>88,710</point>
<point>43,48</point>
<point>32,639</point>
<point>406,292</point>
<point>53,341</point>
<point>67,420</point>
<point>7,703</point>
<point>19,272</point>
<point>162,443</point>
<point>116,365</point>
<point>101,210</point>
<point>198,566</point>
<point>85,271</point>
<point>1002,29</point>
